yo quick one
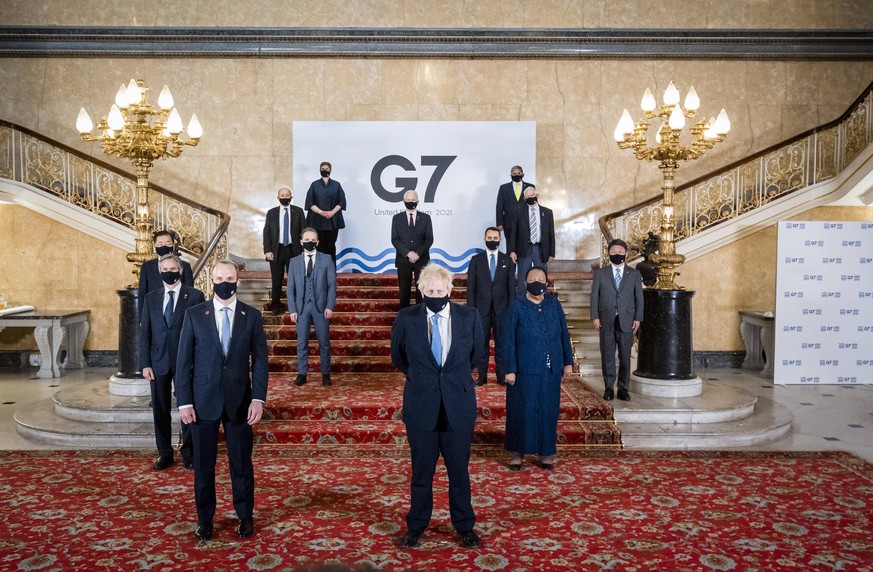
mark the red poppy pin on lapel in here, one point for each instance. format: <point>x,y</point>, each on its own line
<point>207,312</point>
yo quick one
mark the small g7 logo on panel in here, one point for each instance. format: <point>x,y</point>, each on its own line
<point>403,184</point>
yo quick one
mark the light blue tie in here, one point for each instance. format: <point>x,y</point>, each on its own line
<point>617,278</point>
<point>436,342</point>
<point>493,266</point>
<point>225,331</point>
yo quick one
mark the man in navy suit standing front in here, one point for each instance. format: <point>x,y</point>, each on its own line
<point>160,324</point>
<point>490,289</point>
<point>221,378</point>
<point>437,345</point>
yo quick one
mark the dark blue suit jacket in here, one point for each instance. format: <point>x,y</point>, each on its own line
<point>150,276</point>
<point>428,384</point>
<point>158,341</point>
<point>485,294</point>
<point>418,239</point>
<point>215,384</point>
<point>507,203</point>
<point>323,282</point>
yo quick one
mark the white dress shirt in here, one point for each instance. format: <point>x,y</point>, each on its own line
<point>219,313</point>
<point>282,211</point>
<point>177,288</point>
<point>445,329</point>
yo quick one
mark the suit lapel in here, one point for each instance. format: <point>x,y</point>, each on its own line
<point>212,326</point>
<point>456,329</point>
<point>238,326</point>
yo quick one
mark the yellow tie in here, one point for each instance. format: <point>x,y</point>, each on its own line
<point>517,191</point>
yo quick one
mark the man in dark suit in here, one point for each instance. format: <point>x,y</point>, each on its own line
<point>160,325</point>
<point>221,379</point>
<point>490,289</point>
<point>311,300</point>
<point>617,311</point>
<point>531,241</point>
<point>510,196</point>
<point>437,345</point>
<point>281,228</point>
<point>412,237</point>
<point>150,276</point>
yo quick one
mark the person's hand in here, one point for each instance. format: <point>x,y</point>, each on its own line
<point>294,318</point>
<point>597,324</point>
<point>510,378</point>
<point>500,228</point>
<point>327,314</point>
<point>327,214</point>
<point>568,369</point>
<point>636,325</point>
<point>187,415</point>
<point>256,410</point>
<point>412,257</point>
<point>148,373</point>
<point>268,256</point>
<point>513,257</point>
<point>550,259</point>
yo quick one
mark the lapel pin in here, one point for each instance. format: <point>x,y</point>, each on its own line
<point>207,312</point>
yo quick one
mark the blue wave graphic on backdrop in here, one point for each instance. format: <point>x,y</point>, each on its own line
<point>356,260</point>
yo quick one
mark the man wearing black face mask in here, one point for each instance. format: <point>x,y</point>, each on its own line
<point>325,203</point>
<point>510,196</point>
<point>160,326</point>
<point>437,345</point>
<point>281,229</point>
<point>221,375</point>
<point>617,311</point>
<point>150,276</point>
<point>311,300</point>
<point>530,241</point>
<point>412,237</point>
<point>490,289</point>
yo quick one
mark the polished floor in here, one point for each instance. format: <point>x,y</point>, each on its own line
<point>826,417</point>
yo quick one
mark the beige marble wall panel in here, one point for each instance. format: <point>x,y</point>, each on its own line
<point>61,270</point>
<point>742,276</point>
<point>352,81</point>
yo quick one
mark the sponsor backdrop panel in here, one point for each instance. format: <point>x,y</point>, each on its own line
<point>455,166</point>
<point>824,303</point>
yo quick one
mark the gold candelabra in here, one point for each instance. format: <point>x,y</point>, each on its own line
<point>668,150</point>
<point>137,131</point>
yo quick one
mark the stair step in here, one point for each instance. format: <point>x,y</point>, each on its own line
<point>337,332</point>
<point>717,404</point>
<point>341,319</point>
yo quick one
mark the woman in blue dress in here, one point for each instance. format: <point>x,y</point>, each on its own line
<point>536,354</point>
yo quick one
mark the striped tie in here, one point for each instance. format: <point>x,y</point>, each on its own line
<point>534,226</point>
<point>617,278</point>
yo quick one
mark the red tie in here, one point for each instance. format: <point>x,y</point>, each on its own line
<point>411,221</point>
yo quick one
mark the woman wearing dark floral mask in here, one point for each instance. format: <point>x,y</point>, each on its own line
<point>537,354</point>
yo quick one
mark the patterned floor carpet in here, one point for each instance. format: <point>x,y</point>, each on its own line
<point>598,510</point>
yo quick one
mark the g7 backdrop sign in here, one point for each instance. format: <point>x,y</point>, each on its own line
<point>455,166</point>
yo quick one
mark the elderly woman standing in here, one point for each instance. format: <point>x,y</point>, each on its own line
<point>536,354</point>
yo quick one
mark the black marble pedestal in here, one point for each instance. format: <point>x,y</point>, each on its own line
<point>665,348</point>
<point>128,334</point>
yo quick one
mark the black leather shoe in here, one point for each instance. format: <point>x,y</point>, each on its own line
<point>301,379</point>
<point>514,467</point>
<point>246,528</point>
<point>188,464</point>
<point>163,463</point>
<point>482,381</point>
<point>408,540</point>
<point>608,395</point>
<point>325,379</point>
<point>469,539</point>
<point>623,394</point>
<point>204,531</point>
<point>547,466</point>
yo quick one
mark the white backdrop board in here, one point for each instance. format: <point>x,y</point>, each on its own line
<point>455,166</point>
<point>824,303</point>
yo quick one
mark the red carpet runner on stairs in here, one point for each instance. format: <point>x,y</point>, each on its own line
<point>360,412</point>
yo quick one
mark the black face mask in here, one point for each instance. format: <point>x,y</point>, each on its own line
<point>435,304</point>
<point>170,277</point>
<point>163,250</point>
<point>410,205</point>
<point>492,244</point>
<point>616,258</point>
<point>309,246</point>
<point>531,201</point>
<point>325,173</point>
<point>285,202</point>
<point>517,178</point>
<point>536,288</point>
<point>224,290</point>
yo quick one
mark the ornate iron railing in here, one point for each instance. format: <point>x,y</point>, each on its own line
<point>813,157</point>
<point>109,192</point>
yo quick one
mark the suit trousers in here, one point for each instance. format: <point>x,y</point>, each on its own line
<point>491,327</point>
<point>308,316</point>
<point>239,455</point>
<point>327,242</point>
<point>531,259</point>
<point>426,447</point>
<point>162,403</point>
<point>406,271</point>
<point>611,338</point>
<point>278,267</point>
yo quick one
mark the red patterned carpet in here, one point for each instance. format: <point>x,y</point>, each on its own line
<point>602,510</point>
